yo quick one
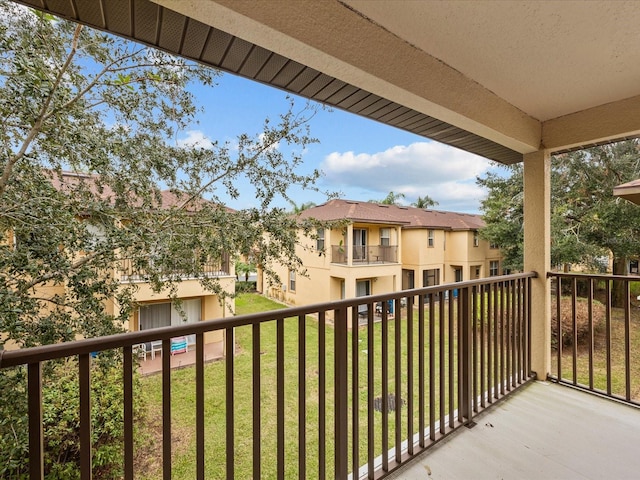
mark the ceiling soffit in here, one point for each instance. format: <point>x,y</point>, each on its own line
<point>154,25</point>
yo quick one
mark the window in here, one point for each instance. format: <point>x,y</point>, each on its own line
<point>430,238</point>
<point>492,245</point>
<point>431,277</point>
<point>292,280</point>
<point>458,274</point>
<point>363,288</point>
<point>476,239</point>
<point>385,237</point>
<point>156,315</point>
<point>408,279</point>
<point>320,240</point>
<point>633,267</point>
<point>359,244</point>
<point>494,268</point>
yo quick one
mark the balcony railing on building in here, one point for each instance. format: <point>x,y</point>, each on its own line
<point>346,401</point>
<point>367,254</point>
<point>130,271</point>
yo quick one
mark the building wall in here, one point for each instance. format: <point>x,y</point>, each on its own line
<point>323,280</point>
<point>327,281</point>
<point>211,307</point>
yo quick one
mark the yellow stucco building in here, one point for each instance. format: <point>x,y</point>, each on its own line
<point>383,248</point>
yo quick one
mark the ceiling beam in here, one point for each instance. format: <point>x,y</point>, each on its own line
<point>594,126</point>
<point>332,38</point>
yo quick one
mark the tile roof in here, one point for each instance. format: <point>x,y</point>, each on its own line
<point>68,180</point>
<point>407,217</point>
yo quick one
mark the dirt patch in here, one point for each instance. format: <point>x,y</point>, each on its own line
<point>148,454</point>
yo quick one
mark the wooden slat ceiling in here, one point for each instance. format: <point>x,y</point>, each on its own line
<point>156,26</point>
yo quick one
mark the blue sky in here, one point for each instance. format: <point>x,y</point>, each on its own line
<point>360,158</point>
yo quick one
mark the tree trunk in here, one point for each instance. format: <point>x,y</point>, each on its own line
<point>618,290</point>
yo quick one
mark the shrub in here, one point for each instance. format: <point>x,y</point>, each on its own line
<point>245,287</point>
<point>582,320</point>
<point>61,423</point>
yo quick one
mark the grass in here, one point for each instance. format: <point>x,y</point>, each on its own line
<point>183,394</point>
<point>617,355</point>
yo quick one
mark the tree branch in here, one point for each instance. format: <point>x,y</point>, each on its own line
<point>42,116</point>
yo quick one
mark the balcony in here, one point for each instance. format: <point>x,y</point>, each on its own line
<point>368,402</point>
<point>365,255</point>
<point>129,272</point>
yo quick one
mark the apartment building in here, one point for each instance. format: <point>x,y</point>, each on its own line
<point>189,302</point>
<point>379,248</point>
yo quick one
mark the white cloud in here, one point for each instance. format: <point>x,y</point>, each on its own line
<point>444,173</point>
<point>195,138</point>
<point>264,140</point>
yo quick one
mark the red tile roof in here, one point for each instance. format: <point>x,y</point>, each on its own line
<point>68,180</point>
<point>407,217</point>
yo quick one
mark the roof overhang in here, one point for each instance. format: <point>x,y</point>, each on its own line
<point>499,81</point>
<point>629,191</point>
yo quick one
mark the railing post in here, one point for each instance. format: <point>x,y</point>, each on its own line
<point>36,441</point>
<point>341,395</point>
<point>85,416</point>
<point>466,345</point>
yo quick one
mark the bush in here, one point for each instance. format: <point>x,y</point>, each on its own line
<point>245,287</point>
<point>61,423</point>
<point>582,320</point>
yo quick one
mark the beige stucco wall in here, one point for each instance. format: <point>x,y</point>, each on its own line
<point>211,307</point>
<point>324,279</point>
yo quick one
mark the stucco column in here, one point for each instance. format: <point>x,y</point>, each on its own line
<point>537,255</point>
<point>349,244</point>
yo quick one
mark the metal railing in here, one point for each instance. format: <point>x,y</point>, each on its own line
<point>595,332</point>
<point>390,389</point>
<point>367,254</point>
<point>130,272</point>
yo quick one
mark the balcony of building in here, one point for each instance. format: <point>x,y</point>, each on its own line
<point>129,271</point>
<point>443,389</point>
<point>364,254</point>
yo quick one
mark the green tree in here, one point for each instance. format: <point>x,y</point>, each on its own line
<point>244,268</point>
<point>600,219</point>
<point>300,208</point>
<point>587,221</point>
<point>503,213</point>
<point>424,202</point>
<point>391,199</point>
<point>109,110</point>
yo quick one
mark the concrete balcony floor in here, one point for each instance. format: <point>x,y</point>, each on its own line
<point>543,431</point>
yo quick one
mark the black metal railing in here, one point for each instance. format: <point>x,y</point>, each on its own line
<point>129,271</point>
<point>390,389</point>
<point>367,254</point>
<point>595,334</point>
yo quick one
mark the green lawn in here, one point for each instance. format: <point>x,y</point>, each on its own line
<point>617,355</point>
<point>183,397</point>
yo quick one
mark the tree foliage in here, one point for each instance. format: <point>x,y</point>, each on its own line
<point>503,212</point>
<point>587,221</point>
<point>391,199</point>
<point>110,111</point>
<point>296,209</point>
<point>424,202</point>
<point>74,99</point>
